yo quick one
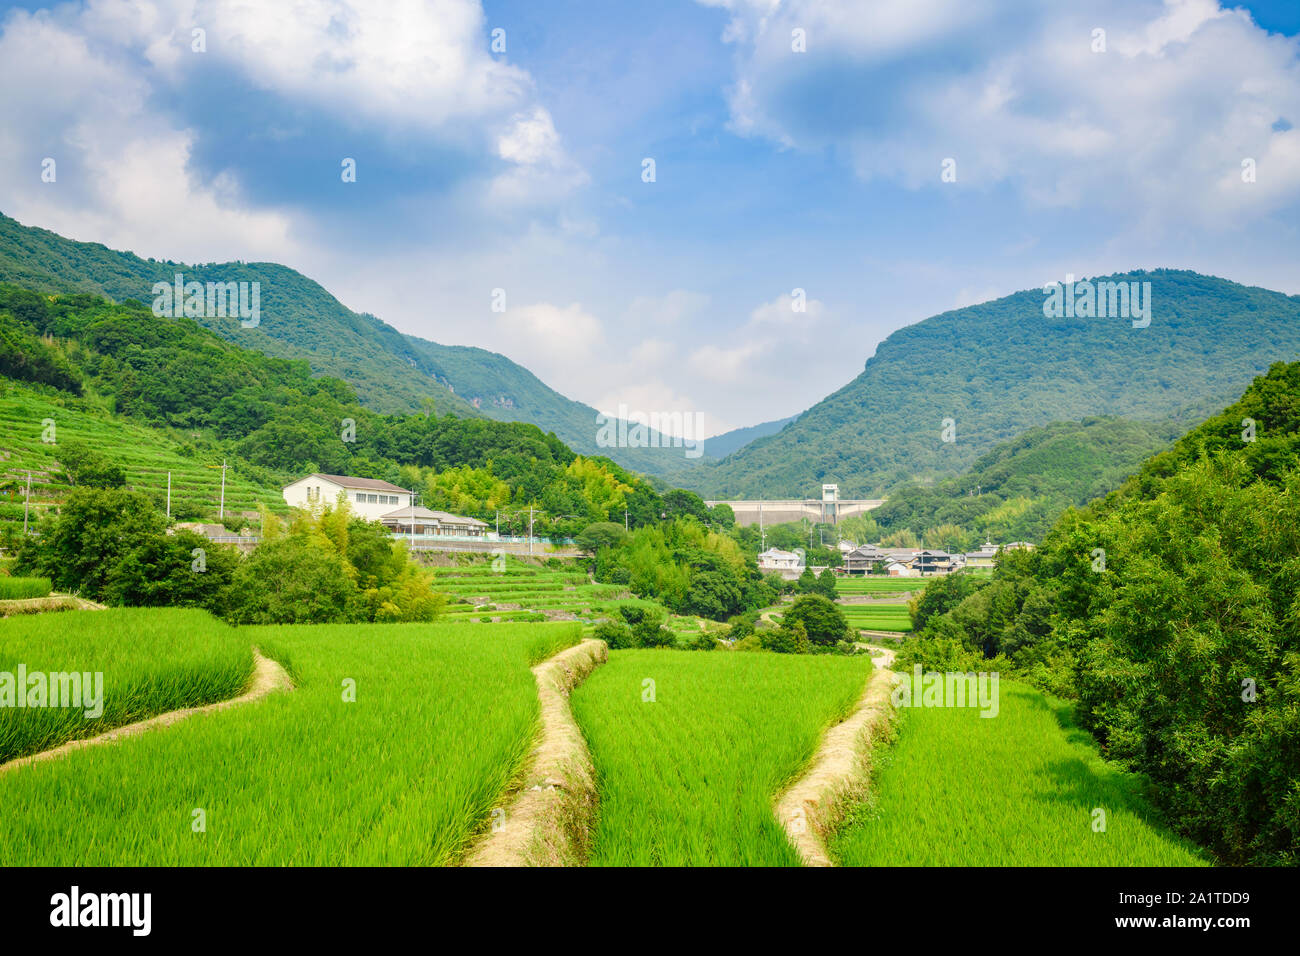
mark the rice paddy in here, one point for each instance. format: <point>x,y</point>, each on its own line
<point>403,774</point>
<point>1024,788</point>
<point>878,584</point>
<point>689,777</point>
<point>17,589</point>
<point>878,617</point>
<point>151,661</point>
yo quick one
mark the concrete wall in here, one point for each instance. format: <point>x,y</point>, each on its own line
<point>793,509</point>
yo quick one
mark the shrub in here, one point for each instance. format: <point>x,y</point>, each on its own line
<point>616,634</point>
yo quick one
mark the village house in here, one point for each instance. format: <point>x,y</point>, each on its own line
<point>787,563</point>
<point>369,497</point>
<point>982,558</point>
<point>863,560</point>
<point>933,562</point>
<point>381,501</point>
<point>417,520</point>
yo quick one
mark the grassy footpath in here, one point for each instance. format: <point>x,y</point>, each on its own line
<point>690,778</point>
<point>152,661</point>
<point>443,716</point>
<point>1018,789</point>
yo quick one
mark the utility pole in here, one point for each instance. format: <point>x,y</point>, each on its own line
<point>624,519</point>
<point>27,502</point>
<point>221,513</point>
<point>762,535</point>
<point>498,523</point>
<point>169,496</point>
<point>530,531</point>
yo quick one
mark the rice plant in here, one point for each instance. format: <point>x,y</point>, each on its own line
<point>151,661</point>
<point>396,744</point>
<point>689,765</point>
<point>1024,788</point>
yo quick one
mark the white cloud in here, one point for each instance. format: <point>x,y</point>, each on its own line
<point>1013,91</point>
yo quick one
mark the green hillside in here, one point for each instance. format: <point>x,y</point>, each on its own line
<point>1168,609</point>
<point>1018,490</point>
<point>1000,368</point>
<point>390,371</point>
<point>145,454</point>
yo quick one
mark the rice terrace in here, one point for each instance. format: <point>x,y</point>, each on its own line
<point>447,441</point>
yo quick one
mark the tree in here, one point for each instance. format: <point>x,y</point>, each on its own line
<point>822,621</point>
<point>291,581</point>
<point>78,548</point>
<point>172,570</point>
<point>807,583</point>
<point>826,584</point>
<point>601,534</point>
<point>86,467</point>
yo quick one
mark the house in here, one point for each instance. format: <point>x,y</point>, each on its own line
<point>370,498</point>
<point>1018,546</point>
<point>897,569</point>
<point>417,520</point>
<point>982,558</point>
<point>788,563</point>
<point>932,562</point>
<point>863,560</point>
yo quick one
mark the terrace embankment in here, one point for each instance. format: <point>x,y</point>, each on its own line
<point>838,773</point>
<point>268,676</point>
<point>552,809</point>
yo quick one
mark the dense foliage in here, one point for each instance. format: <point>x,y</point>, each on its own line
<point>688,567</point>
<point>1018,490</point>
<point>112,545</point>
<point>1170,610</point>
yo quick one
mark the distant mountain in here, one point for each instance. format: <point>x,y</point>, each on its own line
<point>720,446</point>
<point>996,369</point>
<point>391,371</point>
<point>1017,490</point>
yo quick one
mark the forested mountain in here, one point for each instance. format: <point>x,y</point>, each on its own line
<point>1017,491</point>
<point>118,359</point>
<point>720,446</point>
<point>1169,609</point>
<point>390,371</point>
<point>1002,367</point>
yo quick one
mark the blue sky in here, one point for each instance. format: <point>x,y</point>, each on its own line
<point>776,169</point>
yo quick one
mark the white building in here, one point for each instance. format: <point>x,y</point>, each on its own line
<point>423,521</point>
<point>370,498</point>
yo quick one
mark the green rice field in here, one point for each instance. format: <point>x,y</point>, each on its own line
<point>690,778</point>
<point>878,617</point>
<point>152,660</point>
<point>15,589</point>
<point>878,584</point>
<point>442,719</point>
<point>1018,789</point>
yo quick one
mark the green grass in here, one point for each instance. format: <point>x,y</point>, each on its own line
<point>690,779</point>
<point>878,617</point>
<point>14,589</point>
<point>152,661</point>
<point>443,717</point>
<point>1018,789</point>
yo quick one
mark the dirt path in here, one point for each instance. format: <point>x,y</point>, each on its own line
<point>837,774</point>
<point>268,676</point>
<point>551,811</point>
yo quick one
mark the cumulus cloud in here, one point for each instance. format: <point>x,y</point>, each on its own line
<point>1014,93</point>
<point>103,82</point>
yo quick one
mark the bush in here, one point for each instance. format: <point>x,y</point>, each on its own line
<point>616,634</point>
<point>823,622</point>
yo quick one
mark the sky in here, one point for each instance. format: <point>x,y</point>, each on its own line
<point>798,210</point>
